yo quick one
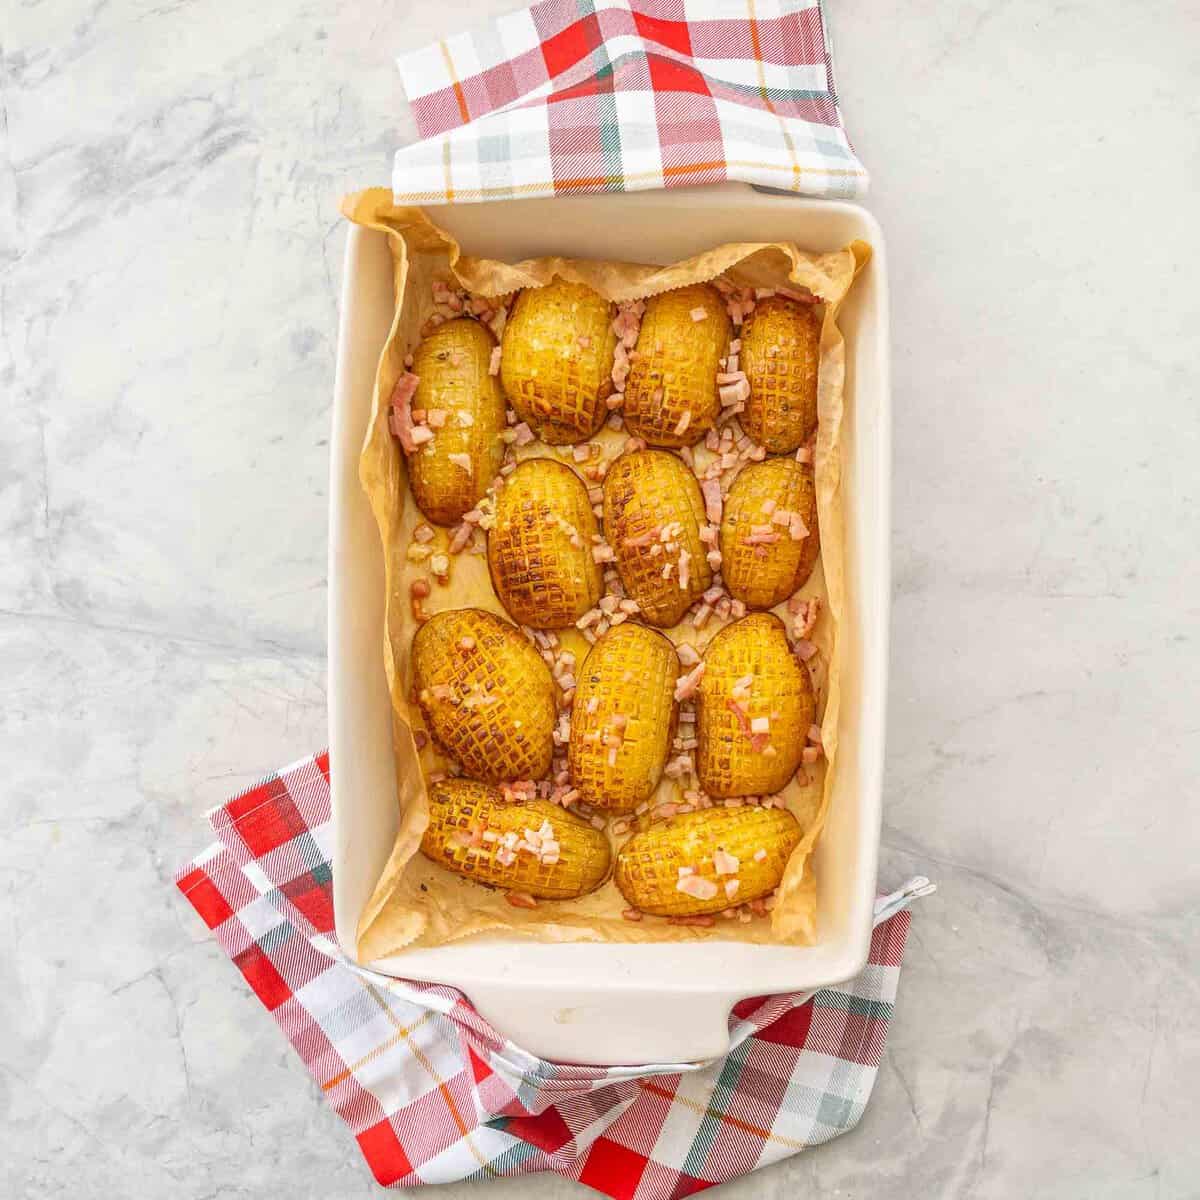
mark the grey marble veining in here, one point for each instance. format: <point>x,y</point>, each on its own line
<point>169,262</point>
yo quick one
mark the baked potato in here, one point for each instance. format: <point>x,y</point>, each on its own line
<point>557,358</point>
<point>754,708</point>
<point>653,511</point>
<point>487,696</point>
<point>780,355</point>
<point>529,846</point>
<point>671,396</point>
<point>464,411</point>
<point>623,717</point>
<point>540,546</point>
<point>769,537</point>
<point>706,861</point>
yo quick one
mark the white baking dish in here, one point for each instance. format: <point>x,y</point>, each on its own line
<point>616,1003</point>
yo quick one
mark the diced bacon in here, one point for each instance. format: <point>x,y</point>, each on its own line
<point>814,734</point>
<point>683,422</point>
<point>589,618</point>
<point>799,297</point>
<point>462,535</point>
<point>737,392</point>
<point>648,538</point>
<point>701,615</point>
<point>737,609</point>
<point>462,461</point>
<point>422,533</point>
<point>731,887</point>
<point>710,489</point>
<point>520,899</point>
<point>688,654</point>
<point>631,914</point>
<point>804,454</point>
<point>439,564</point>
<point>687,686</point>
<point>400,419</point>
<point>420,435</point>
<point>759,537</point>
<point>760,725</point>
<point>435,418</point>
<point>714,559</point>
<point>725,863</point>
<point>603,553</point>
<point>797,530</point>
<point>418,590</point>
<point>805,649</point>
<point>697,887</point>
<point>494,363</point>
<point>810,755</point>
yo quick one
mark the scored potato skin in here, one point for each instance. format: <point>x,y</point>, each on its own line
<point>674,366</point>
<point>762,576</point>
<point>464,806</point>
<point>556,383</point>
<point>780,355</point>
<point>541,578</point>
<point>645,491</point>
<point>452,367</point>
<point>726,761</point>
<point>499,714</point>
<point>647,868</point>
<point>629,674</point>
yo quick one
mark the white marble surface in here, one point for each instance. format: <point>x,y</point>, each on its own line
<point>169,259</point>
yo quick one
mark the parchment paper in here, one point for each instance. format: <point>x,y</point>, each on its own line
<point>418,903</point>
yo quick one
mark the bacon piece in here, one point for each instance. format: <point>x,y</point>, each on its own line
<point>494,364</point>
<point>689,684</point>
<point>520,899</point>
<point>696,886</point>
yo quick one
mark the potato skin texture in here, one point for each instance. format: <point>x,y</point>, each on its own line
<point>647,870</point>
<point>541,578</point>
<point>630,675</point>
<point>555,383</point>
<point>452,366</point>
<point>781,413</point>
<point>463,808</point>
<point>727,761</point>
<point>645,491</point>
<point>762,576</point>
<point>497,713</point>
<point>675,366</point>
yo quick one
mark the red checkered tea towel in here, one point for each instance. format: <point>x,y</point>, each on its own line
<point>627,95</point>
<point>433,1094</point>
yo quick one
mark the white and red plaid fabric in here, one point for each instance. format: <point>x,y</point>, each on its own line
<point>433,1094</point>
<point>626,95</point>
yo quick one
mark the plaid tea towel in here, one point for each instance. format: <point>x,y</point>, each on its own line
<point>626,95</point>
<point>433,1094</point>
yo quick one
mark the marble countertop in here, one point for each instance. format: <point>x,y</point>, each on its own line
<point>169,271</point>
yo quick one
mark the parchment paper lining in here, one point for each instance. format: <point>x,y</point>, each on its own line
<point>420,904</point>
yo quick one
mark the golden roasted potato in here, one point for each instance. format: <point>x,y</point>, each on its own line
<point>623,717</point>
<point>557,360</point>
<point>653,511</point>
<point>727,856</point>
<point>464,408</point>
<point>781,351</point>
<point>671,396</point>
<point>769,537</point>
<point>754,709</point>
<point>487,696</point>
<point>540,547</point>
<point>529,846</point>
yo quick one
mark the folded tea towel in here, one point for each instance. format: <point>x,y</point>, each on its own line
<point>626,95</point>
<point>433,1094</point>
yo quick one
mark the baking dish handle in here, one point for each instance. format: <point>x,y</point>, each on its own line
<point>609,1027</point>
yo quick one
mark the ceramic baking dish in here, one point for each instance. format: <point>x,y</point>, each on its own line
<point>616,1003</point>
